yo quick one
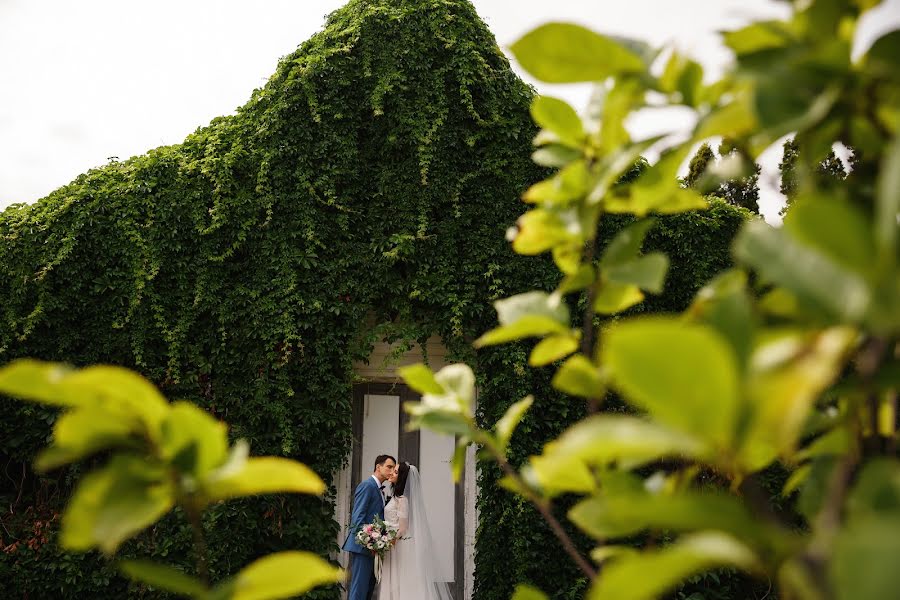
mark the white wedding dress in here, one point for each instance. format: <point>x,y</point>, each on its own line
<point>408,571</point>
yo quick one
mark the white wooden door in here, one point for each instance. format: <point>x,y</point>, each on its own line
<point>379,428</point>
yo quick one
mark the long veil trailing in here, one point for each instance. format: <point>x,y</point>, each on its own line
<point>421,542</point>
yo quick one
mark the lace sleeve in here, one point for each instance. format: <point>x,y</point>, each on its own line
<point>403,514</point>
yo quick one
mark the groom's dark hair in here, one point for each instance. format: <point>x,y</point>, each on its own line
<point>381,459</point>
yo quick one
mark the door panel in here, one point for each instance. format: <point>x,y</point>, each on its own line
<point>440,497</point>
<point>379,427</point>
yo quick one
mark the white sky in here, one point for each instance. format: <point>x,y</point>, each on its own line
<point>84,81</point>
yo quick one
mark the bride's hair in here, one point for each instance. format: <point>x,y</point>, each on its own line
<point>402,475</point>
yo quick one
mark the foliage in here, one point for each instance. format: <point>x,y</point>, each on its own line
<point>790,357</point>
<point>705,173</point>
<point>698,165</point>
<point>161,456</point>
<point>361,194</point>
<point>828,171</point>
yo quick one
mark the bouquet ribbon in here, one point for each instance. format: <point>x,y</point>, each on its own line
<point>378,563</point>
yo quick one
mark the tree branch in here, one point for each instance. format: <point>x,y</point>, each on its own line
<point>587,319</point>
<point>200,548</point>
<point>555,525</point>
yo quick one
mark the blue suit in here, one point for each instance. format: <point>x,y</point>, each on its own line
<point>367,504</point>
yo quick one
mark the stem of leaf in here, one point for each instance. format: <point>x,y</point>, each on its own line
<point>587,320</point>
<point>200,548</point>
<point>544,508</point>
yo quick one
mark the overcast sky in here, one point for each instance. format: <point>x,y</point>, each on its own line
<point>84,81</point>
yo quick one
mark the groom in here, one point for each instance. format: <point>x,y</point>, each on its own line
<point>368,501</point>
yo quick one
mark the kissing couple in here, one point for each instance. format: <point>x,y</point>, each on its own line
<point>409,567</point>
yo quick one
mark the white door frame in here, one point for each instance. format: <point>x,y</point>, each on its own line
<point>408,449</point>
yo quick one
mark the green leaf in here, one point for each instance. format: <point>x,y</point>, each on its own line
<point>797,479</point>
<point>758,36</point>
<point>807,273</point>
<point>615,297</point>
<point>163,577</point>
<point>663,200</point>
<point>877,491</point>
<point>623,514</point>
<point>647,272</point>
<point>734,119</point>
<point>674,352</point>
<point>835,228</point>
<point>648,575</point>
<point>724,304</point>
<point>788,372</point>
<point>527,315</point>
<point>510,420</point>
<point>264,475</point>
<point>814,490</point>
<point>579,280</point>
<point>613,166</point>
<point>578,376</point>
<point>555,155</point>
<point>541,229</point>
<point>449,422</point>
<point>120,390</point>
<point>283,575</point>
<point>567,463</point>
<point>559,117</point>
<point>526,592</point>
<point>554,478</point>
<point>114,503</point>
<point>888,206</point>
<point>531,326</point>
<point>626,245</point>
<point>684,76</point>
<point>608,552</point>
<point>601,440</point>
<point>451,410</point>
<point>657,189</point>
<point>883,57</point>
<point>560,189</point>
<point>565,53</point>
<point>534,303</point>
<point>37,381</point>
<point>420,378</point>
<point>193,440</point>
<point>457,380</point>
<point>864,564</point>
<point>785,106</point>
<point>111,393</point>
<point>625,96</point>
<point>82,432</point>
<point>780,303</point>
<point>553,348</point>
<point>836,442</point>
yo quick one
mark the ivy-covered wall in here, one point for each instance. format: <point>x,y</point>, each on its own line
<point>375,174</point>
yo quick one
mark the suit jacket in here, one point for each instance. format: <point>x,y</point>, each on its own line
<point>367,503</point>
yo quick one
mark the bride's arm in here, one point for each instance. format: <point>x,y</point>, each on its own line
<point>403,513</point>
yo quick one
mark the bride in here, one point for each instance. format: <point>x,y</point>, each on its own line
<point>409,569</point>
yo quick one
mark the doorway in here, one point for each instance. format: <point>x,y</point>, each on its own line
<point>379,427</point>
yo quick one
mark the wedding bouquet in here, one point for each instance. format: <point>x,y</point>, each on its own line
<point>377,537</point>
